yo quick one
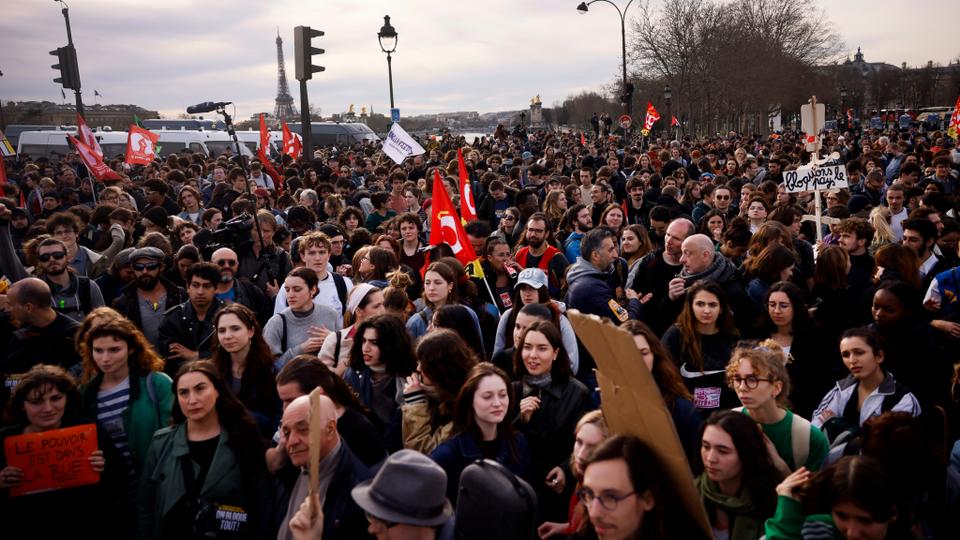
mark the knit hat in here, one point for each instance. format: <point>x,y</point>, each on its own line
<point>158,216</point>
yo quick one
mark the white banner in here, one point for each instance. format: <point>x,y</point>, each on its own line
<point>814,178</point>
<point>399,145</point>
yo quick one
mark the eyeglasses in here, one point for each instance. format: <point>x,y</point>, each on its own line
<point>227,262</point>
<point>150,267</point>
<point>57,255</point>
<point>508,218</point>
<point>752,381</point>
<point>608,501</point>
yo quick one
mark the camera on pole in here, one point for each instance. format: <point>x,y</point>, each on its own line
<point>304,52</point>
<point>67,66</point>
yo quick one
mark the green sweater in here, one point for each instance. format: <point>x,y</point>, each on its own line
<point>790,523</point>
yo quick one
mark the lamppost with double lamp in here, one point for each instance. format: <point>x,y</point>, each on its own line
<point>667,96</point>
<point>627,97</point>
<point>388,34</point>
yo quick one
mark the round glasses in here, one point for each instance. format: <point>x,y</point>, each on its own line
<point>752,381</point>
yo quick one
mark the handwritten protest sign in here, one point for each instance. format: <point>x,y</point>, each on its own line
<point>812,178</point>
<point>54,459</point>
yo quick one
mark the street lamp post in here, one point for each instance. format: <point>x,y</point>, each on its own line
<point>843,105</point>
<point>388,34</point>
<point>627,96</point>
<point>667,97</point>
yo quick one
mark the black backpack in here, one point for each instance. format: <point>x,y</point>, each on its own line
<point>493,503</point>
<point>844,428</point>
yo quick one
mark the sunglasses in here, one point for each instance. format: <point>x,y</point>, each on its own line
<point>57,255</point>
<point>227,262</point>
<point>723,197</point>
<point>150,267</point>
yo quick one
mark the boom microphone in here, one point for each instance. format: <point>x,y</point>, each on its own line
<point>206,106</point>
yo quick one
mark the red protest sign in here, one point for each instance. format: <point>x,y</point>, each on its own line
<point>54,459</point>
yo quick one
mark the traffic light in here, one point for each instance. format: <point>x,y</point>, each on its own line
<point>304,51</point>
<point>67,65</point>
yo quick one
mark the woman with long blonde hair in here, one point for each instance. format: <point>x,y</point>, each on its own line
<point>880,218</point>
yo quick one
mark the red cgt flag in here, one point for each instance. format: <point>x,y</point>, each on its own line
<point>93,162</point>
<point>291,144</point>
<point>468,209</point>
<point>141,146</point>
<point>86,136</point>
<point>445,224</point>
<point>651,118</point>
<point>674,122</point>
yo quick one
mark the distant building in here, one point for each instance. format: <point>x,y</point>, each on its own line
<point>117,117</point>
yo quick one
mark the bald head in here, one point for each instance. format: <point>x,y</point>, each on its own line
<point>227,260</point>
<point>295,427</point>
<point>31,290</point>
<point>697,253</point>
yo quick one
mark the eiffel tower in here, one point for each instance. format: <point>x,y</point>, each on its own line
<point>284,106</point>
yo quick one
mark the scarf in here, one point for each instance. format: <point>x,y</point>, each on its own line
<point>541,382</point>
<point>720,270</point>
<point>746,524</point>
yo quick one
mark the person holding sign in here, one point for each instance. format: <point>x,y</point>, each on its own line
<point>204,476</point>
<point>52,465</point>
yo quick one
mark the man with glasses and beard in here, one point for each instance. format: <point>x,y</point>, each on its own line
<point>149,295</point>
<point>73,296</point>
<point>539,254</point>
<point>233,288</point>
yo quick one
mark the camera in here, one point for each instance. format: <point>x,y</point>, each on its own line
<point>233,234</point>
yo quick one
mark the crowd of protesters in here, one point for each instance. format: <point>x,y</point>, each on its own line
<point>189,308</point>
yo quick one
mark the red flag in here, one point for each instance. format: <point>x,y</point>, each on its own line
<point>445,224</point>
<point>291,144</point>
<point>583,140</point>
<point>468,209</point>
<point>651,118</point>
<point>674,122</point>
<point>3,176</point>
<point>954,127</point>
<point>264,140</point>
<point>86,136</point>
<point>141,146</point>
<point>92,161</point>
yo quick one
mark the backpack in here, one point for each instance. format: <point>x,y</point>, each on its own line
<point>799,438</point>
<point>341,286</point>
<point>494,503</point>
<point>83,297</point>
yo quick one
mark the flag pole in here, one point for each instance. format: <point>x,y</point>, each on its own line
<point>489,290</point>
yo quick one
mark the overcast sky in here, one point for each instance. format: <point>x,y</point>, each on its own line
<point>481,55</point>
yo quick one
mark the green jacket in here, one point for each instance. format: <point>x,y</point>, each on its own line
<point>143,415</point>
<point>162,483</point>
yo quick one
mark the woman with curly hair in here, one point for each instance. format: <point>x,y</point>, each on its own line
<point>350,219</point>
<point>430,396</point>
<point>246,364</point>
<point>124,386</point>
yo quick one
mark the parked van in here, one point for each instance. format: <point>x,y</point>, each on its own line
<point>53,143</point>
<point>333,133</point>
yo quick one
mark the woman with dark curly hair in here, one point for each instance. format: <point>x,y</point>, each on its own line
<point>125,389</point>
<point>430,396</point>
<point>381,357</point>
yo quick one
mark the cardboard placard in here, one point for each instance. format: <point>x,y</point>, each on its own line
<point>632,404</point>
<point>54,459</point>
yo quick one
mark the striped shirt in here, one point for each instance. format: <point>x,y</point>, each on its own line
<point>110,406</point>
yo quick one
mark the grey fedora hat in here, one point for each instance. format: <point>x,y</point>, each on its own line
<point>409,488</point>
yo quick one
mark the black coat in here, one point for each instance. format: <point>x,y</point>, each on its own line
<point>181,325</point>
<point>127,303</point>
<point>342,518</point>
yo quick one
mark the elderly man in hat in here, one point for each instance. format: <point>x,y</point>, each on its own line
<point>405,500</point>
<point>145,300</point>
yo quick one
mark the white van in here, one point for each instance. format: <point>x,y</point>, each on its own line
<point>52,144</point>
